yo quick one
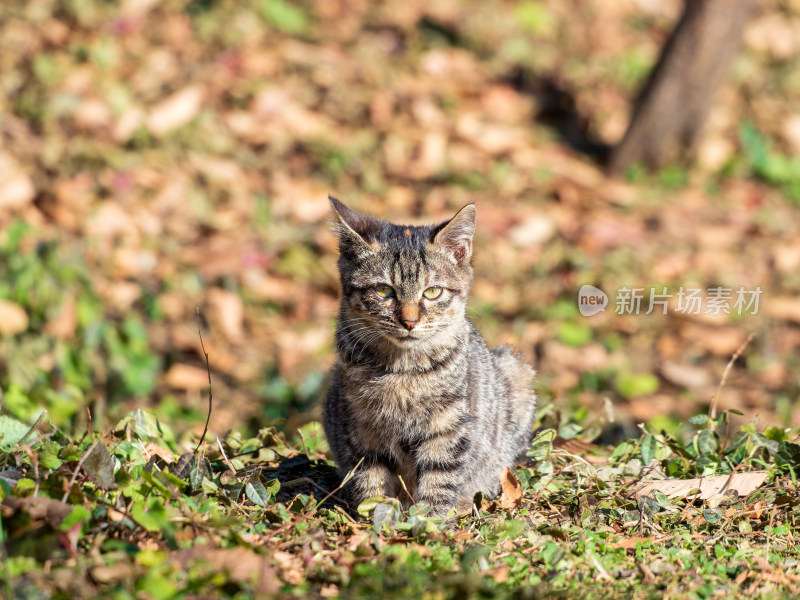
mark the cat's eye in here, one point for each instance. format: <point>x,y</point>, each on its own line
<point>432,293</point>
<point>384,292</point>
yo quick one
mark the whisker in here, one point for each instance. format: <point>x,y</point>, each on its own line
<point>367,341</point>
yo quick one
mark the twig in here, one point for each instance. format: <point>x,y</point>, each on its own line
<point>148,456</point>
<point>552,479</point>
<point>299,480</point>
<point>4,551</point>
<point>303,441</point>
<point>769,530</point>
<point>647,574</point>
<point>35,462</point>
<point>30,431</point>
<point>208,369</point>
<point>78,470</point>
<point>343,512</point>
<point>636,480</point>
<point>712,411</point>
<point>121,509</point>
<point>308,515</point>
<point>403,483</point>
<point>729,479</point>
<point>603,573</point>
<point>225,457</point>
<point>255,450</point>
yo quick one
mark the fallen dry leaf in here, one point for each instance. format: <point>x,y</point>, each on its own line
<point>127,124</point>
<point>791,131</point>
<point>46,509</point>
<point>64,323</point>
<point>137,8</point>
<point>774,374</point>
<point>290,566</point>
<point>228,311</point>
<point>511,496</point>
<point>579,447</point>
<point>685,375</point>
<point>108,221</point>
<point>16,188</point>
<point>186,377</point>
<point>175,111</point>
<point>630,543</point>
<point>356,540</point>
<point>492,138</point>
<point>297,347</point>
<point>721,341</point>
<point>573,446</point>
<point>787,255</point>
<point>714,151</point>
<point>13,318</point>
<point>773,34</point>
<point>536,229</point>
<point>329,591</point>
<point>217,170</point>
<point>299,200</point>
<point>150,449</point>
<point>710,487</point>
<point>112,573</point>
<point>92,114</point>
<point>120,294</point>
<point>784,308</point>
<point>499,574</point>
<point>240,563</point>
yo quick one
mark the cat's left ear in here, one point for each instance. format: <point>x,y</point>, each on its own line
<point>455,236</point>
<point>355,230</point>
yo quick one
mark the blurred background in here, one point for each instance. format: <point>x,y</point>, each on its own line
<point>159,156</point>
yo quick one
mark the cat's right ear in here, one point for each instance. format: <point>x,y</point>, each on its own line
<point>455,235</point>
<point>354,230</point>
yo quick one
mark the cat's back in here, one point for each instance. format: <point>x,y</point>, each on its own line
<point>503,364</point>
<point>502,386</point>
<point>516,374</point>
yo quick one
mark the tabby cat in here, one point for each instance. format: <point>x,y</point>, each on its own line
<point>415,391</point>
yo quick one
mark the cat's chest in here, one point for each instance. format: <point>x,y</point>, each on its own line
<point>395,402</point>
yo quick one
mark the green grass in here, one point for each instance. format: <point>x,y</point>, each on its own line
<point>132,513</point>
<point>103,498</point>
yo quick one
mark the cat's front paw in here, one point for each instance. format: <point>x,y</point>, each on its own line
<point>375,480</point>
<point>451,515</point>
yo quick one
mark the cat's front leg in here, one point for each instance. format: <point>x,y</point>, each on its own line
<point>375,476</point>
<point>441,471</point>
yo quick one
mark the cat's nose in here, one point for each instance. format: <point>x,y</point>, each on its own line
<point>409,324</point>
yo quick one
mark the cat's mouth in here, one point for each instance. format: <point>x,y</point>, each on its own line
<point>405,337</point>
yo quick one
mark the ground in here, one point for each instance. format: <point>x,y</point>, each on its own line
<point>161,160</point>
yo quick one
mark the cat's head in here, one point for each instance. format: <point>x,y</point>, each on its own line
<point>407,284</point>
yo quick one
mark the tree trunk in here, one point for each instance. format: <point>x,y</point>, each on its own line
<point>670,111</point>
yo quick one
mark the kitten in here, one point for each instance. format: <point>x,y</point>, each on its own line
<point>415,390</point>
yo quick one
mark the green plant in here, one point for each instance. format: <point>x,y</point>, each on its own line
<point>771,167</point>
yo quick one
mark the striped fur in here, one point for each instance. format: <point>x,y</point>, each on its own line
<point>431,403</point>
